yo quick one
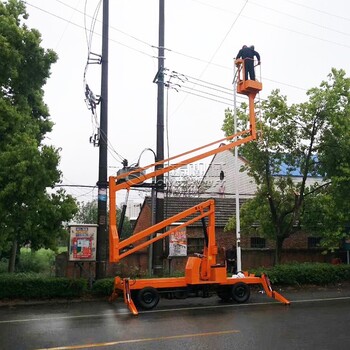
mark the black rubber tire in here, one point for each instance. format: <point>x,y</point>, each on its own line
<point>225,293</point>
<point>147,298</point>
<point>240,292</point>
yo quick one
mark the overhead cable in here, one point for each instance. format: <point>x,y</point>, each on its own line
<point>168,49</point>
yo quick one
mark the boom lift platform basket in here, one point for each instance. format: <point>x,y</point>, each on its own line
<point>202,273</point>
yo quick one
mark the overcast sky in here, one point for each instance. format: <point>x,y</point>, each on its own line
<point>299,42</point>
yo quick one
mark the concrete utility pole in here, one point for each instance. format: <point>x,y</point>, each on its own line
<point>238,221</point>
<point>102,234</point>
<point>158,246</point>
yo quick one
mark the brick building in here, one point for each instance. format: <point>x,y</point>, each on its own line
<point>256,251</point>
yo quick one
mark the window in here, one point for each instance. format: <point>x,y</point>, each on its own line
<point>195,245</point>
<point>313,242</point>
<point>257,242</point>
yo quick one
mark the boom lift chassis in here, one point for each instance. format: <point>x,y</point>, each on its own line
<point>202,273</point>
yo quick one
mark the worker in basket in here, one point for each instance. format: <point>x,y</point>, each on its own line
<point>248,54</point>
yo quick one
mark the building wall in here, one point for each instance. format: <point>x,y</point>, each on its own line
<point>225,162</point>
<point>295,249</point>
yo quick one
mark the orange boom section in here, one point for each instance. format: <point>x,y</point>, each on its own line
<point>128,179</point>
<point>202,273</point>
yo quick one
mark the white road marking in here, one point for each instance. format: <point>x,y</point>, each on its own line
<point>126,312</point>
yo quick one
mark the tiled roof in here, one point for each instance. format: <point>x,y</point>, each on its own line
<point>224,207</point>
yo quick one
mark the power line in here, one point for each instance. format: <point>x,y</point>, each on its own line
<point>82,27</point>
<point>67,25</point>
<point>183,79</point>
<point>188,91</point>
<point>199,87</point>
<point>302,33</point>
<point>300,19</point>
<point>225,37</point>
<point>92,26</point>
<point>215,52</point>
<point>196,58</point>
<point>114,28</point>
<point>168,49</point>
<point>208,83</point>
<point>318,10</point>
<point>276,26</point>
<point>184,88</point>
<point>77,190</point>
<point>111,149</point>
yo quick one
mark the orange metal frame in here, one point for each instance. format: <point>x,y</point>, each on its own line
<point>199,270</point>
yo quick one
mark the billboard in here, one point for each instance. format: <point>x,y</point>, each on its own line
<point>178,243</point>
<point>82,242</point>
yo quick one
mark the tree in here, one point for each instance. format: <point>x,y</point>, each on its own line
<point>294,137</point>
<point>332,204</point>
<point>335,148</point>
<point>28,213</point>
<point>87,214</point>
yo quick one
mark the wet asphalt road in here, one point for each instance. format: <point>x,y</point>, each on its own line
<point>316,319</point>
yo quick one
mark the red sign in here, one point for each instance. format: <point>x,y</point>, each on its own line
<point>82,242</point>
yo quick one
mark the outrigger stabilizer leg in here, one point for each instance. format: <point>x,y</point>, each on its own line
<point>126,294</point>
<point>265,281</point>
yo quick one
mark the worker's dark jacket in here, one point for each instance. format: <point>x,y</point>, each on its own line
<point>247,52</point>
<point>248,55</point>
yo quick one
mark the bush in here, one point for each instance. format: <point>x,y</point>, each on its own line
<point>39,261</point>
<point>103,287</point>
<point>26,286</point>
<point>306,273</point>
<point>39,286</point>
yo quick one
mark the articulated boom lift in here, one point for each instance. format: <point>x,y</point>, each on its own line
<point>202,273</point>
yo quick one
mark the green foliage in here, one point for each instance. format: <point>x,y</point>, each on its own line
<point>3,265</point>
<point>87,214</point>
<point>27,286</point>
<point>127,227</point>
<point>36,286</point>
<point>28,213</point>
<point>323,218</point>
<point>306,273</point>
<point>313,138</point>
<point>103,287</point>
<point>335,147</point>
<point>41,261</point>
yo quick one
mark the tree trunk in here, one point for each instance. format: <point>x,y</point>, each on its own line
<point>12,261</point>
<point>278,250</point>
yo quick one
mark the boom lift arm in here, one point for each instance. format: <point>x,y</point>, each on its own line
<point>128,179</point>
<point>201,271</point>
<point>133,177</point>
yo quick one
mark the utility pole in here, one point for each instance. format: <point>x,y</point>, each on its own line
<point>238,221</point>
<point>102,235</point>
<point>158,246</point>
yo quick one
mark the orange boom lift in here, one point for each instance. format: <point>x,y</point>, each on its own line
<point>202,273</point>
